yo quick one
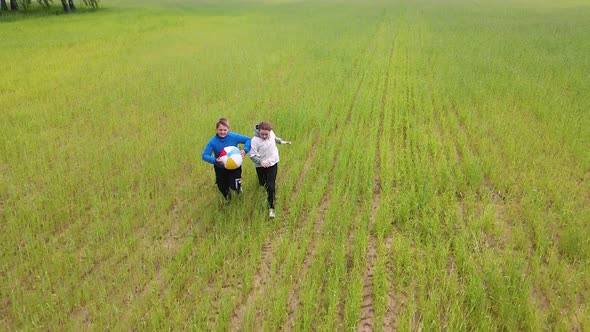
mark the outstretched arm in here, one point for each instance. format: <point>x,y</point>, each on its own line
<point>281,141</point>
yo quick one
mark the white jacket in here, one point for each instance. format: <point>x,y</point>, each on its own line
<point>265,149</point>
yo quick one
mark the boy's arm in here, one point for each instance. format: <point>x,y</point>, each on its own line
<point>242,139</point>
<point>207,154</point>
<point>247,144</point>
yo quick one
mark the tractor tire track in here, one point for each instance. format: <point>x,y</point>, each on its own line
<point>351,233</point>
<point>368,310</point>
<point>391,311</point>
<point>294,296</point>
<point>463,130</point>
<point>303,173</point>
<point>261,280</point>
<point>391,306</point>
<point>262,276</point>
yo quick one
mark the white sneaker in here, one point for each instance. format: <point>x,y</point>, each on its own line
<point>271,213</point>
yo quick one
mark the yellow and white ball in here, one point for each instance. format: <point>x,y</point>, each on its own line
<point>231,157</point>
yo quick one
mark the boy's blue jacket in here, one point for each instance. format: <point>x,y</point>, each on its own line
<point>216,144</point>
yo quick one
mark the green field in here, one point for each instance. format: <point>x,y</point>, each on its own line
<point>439,176</point>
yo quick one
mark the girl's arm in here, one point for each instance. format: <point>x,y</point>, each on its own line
<point>254,154</point>
<point>281,141</point>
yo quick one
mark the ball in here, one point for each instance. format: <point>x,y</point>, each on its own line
<point>231,157</point>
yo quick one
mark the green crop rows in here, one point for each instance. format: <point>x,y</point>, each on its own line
<point>439,177</point>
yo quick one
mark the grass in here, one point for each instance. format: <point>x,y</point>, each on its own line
<point>439,176</point>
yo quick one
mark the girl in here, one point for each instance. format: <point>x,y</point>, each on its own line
<point>224,178</point>
<point>265,155</point>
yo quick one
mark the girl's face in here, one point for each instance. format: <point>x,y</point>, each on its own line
<point>222,131</point>
<point>264,134</point>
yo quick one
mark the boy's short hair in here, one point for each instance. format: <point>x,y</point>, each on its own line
<point>222,121</point>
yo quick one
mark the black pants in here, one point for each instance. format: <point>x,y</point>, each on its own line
<point>267,178</point>
<point>228,179</point>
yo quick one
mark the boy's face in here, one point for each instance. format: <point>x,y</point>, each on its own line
<point>222,131</point>
<point>264,134</point>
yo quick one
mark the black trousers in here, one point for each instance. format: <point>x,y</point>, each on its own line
<point>267,178</point>
<point>228,179</point>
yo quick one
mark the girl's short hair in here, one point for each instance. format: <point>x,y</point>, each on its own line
<point>222,121</point>
<point>264,126</point>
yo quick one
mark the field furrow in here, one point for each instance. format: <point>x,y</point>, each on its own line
<point>438,176</point>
